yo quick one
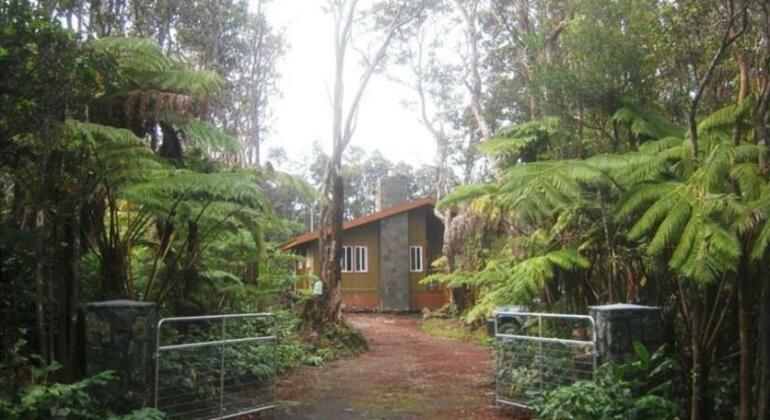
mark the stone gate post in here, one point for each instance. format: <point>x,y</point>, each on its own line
<point>619,325</point>
<point>120,336</point>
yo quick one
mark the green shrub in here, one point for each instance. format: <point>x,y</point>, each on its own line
<point>42,398</point>
<point>636,390</point>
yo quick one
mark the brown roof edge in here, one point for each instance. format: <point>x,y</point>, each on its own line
<point>363,220</point>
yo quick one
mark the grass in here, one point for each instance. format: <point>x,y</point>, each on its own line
<point>455,329</point>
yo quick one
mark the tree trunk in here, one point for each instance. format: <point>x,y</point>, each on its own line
<point>697,384</point>
<point>760,120</point>
<point>469,12</point>
<point>40,295</point>
<point>343,126</point>
<point>327,309</point>
<point>74,304</point>
<point>113,273</point>
<point>528,58</point>
<point>744,298</point>
<point>744,340</point>
<point>763,352</point>
<point>333,271</point>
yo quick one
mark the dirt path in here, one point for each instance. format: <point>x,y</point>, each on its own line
<point>407,374</point>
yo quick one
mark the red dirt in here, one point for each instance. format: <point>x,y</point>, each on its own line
<point>406,374</point>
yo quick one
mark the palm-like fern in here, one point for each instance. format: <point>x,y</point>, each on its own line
<point>157,96</point>
<point>141,65</point>
<point>700,217</point>
<point>151,88</point>
<point>646,123</point>
<point>522,141</point>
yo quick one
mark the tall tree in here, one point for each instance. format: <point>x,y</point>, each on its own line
<point>346,18</point>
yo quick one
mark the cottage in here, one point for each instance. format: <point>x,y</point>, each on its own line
<point>385,254</point>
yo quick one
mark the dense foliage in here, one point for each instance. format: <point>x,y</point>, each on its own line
<point>128,171</point>
<point>626,148</point>
<point>37,396</point>
<point>642,389</point>
<point>630,164</point>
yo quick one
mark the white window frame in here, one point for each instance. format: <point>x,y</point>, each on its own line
<point>346,264</point>
<point>419,261</point>
<point>364,260</point>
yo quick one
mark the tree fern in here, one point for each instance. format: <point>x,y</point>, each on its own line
<point>521,140</point>
<point>207,136</point>
<point>761,243</point>
<point>640,195</point>
<point>522,280</point>
<point>141,63</point>
<point>646,124</point>
<point>671,227</point>
<point>464,194</point>
<point>121,157</point>
<point>714,251</point>
<point>726,117</point>
<point>237,187</point>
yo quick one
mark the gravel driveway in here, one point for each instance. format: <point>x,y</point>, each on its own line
<point>406,374</point>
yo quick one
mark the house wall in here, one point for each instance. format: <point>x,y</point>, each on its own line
<point>361,290</point>
<point>426,231</point>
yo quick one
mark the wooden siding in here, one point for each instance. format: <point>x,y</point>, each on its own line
<point>425,230</point>
<point>368,236</point>
<point>360,291</point>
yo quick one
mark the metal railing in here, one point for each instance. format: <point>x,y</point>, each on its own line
<point>533,354</point>
<point>217,366</point>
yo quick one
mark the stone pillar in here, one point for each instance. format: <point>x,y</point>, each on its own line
<point>620,325</point>
<point>120,336</point>
<point>394,263</point>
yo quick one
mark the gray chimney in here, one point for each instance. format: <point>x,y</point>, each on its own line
<point>391,191</point>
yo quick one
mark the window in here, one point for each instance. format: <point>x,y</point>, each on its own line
<point>415,258</point>
<point>362,259</point>
<point>346,262</point>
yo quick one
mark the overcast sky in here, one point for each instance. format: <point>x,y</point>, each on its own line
<point>303,113</point>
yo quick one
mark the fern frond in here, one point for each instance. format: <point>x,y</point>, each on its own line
<point>654,215</point>
<point>139,54</point>
<point>511,141</point>
<point>465,193</point>
<point>120,156</point>
<point>237,187</point>
<point>496,146</point>
<point>747,176</point>
<point>726,116</point>
<point>641,195</point>
<point>761,243</point>
<point>208,136</point>
<point>529,276</point>
<point>670,228</point>
<point>657,146</point>
<point>190,82</point>
<point>650,124</point>
<point>143,63</point>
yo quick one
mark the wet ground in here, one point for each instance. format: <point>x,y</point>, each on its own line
<point>406,374</point>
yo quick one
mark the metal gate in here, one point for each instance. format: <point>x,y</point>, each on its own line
<point>537,352</point>
<point>217,366</point>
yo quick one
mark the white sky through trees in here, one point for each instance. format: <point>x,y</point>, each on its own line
<point>303,114</point>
